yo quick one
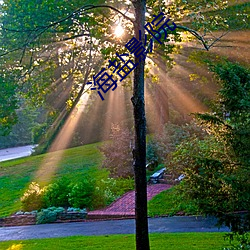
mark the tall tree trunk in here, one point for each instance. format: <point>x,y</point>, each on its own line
<point>139,151</point>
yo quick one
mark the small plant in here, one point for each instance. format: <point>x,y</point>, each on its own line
<point>103,195</point>
<point>33,197</point>
<point>48,215</point>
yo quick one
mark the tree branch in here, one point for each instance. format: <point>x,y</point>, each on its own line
<point>42,29</point>
<point>200,37</point>
<point>195,34</point>
<point>112,8</point>
<point>76,12</point>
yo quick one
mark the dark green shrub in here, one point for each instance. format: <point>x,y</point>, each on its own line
<point>33,198</point>
<point>57,193</point>
<point>123,185</point>
<point>48,215</point>
<point>242,241</point>
<point>81,194</point>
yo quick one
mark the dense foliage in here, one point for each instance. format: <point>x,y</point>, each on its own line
<point>48,215</point>
<point>32,199</point>
<point>54,47</point>
<point>8,105</point>
<point>56,194</point>
<point>90,193</point>
<point>217,168</point>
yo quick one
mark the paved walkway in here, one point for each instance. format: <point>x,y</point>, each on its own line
<point>156,225</point>
<point>125,206</point>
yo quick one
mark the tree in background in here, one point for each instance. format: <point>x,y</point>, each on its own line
<point>8,105</point>
<point>165,142</point>
<point>118,155</point>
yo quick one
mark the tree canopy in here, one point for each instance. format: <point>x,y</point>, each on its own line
<point>57,45</point>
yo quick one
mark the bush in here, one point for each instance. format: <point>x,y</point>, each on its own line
<point>109,189</point>
<point>216,168</point>
<point>81,194</point>
<point>78,210</point>
<point>57,193</point>
<point>103,194</point>
<point>243,242</point>
<point>123,185</point>
<point>48,215</point>
<point>33,198</point>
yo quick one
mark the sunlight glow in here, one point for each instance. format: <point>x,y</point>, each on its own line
<point>52,159</point>
<point>119,31</point>
<point>171,93</point>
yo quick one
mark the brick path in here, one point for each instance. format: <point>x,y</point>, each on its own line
<point>124,207</point>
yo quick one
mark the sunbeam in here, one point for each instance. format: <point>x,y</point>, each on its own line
<point>51,161</point>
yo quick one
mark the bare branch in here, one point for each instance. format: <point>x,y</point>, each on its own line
<point>196,34</point>
<point>200,37</point>
<point>218,38</point>
<point>73,37</point>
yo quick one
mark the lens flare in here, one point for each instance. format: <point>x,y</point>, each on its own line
<point>119,30</point>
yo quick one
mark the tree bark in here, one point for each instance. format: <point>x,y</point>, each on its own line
<point>139,151</point>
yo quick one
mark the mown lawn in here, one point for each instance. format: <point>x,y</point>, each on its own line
<point>16,175</point>
<point>170,241</point>
<point>169,202</point>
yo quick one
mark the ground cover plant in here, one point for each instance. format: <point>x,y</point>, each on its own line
<point>170,241</point>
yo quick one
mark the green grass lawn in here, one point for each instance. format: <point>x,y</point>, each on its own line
<point>169,202</point>
<point>16,175</point>
<point>170,241</point>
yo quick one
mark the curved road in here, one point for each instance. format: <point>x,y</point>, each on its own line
<point>156,225</point>
<point>17,152</point>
